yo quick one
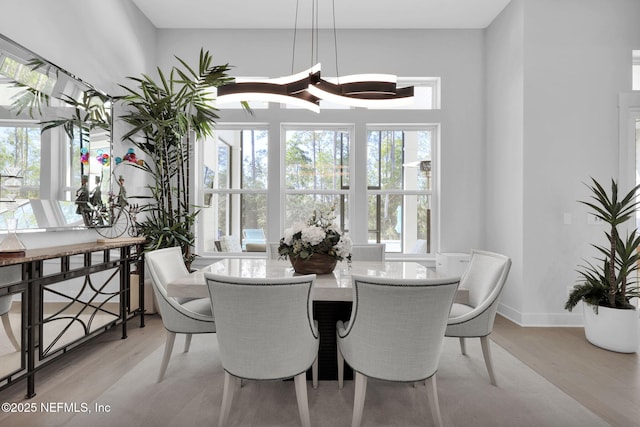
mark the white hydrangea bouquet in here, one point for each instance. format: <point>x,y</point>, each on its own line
<point>318,235</point>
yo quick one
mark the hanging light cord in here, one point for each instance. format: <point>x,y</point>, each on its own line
<point>335,40</point>
<point>315,32</point>
<point>295,33</point>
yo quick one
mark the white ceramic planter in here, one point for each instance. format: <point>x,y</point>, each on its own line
<point>611,329</point>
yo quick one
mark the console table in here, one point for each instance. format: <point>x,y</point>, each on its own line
<point>68,295</point>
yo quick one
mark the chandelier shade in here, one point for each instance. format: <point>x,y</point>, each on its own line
<point>284,90</point>
<point>307,88</point>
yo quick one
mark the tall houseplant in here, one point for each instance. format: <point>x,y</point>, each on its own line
<point>164,117</point>
<point>610,283</point>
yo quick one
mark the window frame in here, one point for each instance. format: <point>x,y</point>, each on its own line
<point>235,161</point>
<point>434,129</point>
<point>342,191</point>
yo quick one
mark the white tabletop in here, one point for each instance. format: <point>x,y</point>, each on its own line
<point>327,287</point>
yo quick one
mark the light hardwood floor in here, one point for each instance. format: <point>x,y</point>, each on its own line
<point>607,383</point>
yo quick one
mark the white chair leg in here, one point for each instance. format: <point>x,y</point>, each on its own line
<point>187,342</point>
<point>463,346</point>
<point>486,352</point>
<point>340,369</point>
<point>314,373</point>
<point>301,396</point>
<point>432,396</point>
<point>230,385</point>
<point>7,328</point>
<point>168,348</point>
<point>358,400</point>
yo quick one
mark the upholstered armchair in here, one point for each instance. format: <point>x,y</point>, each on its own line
<point>179,315</point>
<point>484,279</point>
<point>395,333</point>
<point>265,331</point>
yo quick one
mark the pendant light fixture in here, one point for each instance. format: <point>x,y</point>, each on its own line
<point>307,88</point>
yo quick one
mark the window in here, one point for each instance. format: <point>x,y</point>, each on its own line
<point>234,182</point>
<point>20,148</point>
<point>399,187</point>
<point>381,178</point>
<point>316,172</point>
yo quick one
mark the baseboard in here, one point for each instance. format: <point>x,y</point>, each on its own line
<point>568,319</point>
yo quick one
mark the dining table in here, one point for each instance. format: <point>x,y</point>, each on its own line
<point>332,294</point>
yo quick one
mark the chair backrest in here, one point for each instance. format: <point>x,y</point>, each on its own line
<point>420,247</point>
<point>230,244</point>
<point>164,266</point>
<point>397,326</point>
<point>485,277</point>
<point>5,304</point>
<point>371,252</point>
<point>10,274</point>
<point>265,326</point>
<point>273,250</point>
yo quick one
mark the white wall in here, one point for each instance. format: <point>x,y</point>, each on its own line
<point>454,55</point>
<point>503,187</point>
<point>100,42</point>
<point>575,60</point>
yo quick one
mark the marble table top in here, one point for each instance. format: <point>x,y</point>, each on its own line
<point>327,287</point>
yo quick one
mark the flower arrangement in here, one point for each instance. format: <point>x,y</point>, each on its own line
<point>318,235</point>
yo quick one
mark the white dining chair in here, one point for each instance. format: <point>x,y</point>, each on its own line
<point>484,279</point>
<point>5,307</point>
<point>368,252</point>
<point>265,331</point>
<point>273,250</point>
<point>395,333</point>
<point>179,315</point>
<point>230,244</point>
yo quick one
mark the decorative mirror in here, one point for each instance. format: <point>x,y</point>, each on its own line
<point>55,143</point>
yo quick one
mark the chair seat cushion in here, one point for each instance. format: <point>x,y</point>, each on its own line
<point>458,310</point>
<point>200,306</point>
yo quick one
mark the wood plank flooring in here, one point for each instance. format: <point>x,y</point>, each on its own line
<point>606,383</point>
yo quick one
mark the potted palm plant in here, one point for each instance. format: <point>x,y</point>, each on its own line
<point>164,117</point>
<point>608,285</point>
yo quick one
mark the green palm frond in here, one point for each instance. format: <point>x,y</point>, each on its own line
<point>162,114</point>
<point>612,282</point>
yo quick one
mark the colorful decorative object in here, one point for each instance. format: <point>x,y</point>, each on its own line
<point>130,156</point>
<point>103,158</point>
<point>84,156</point>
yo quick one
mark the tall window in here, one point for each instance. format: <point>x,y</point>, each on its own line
<point>316,172</point>
<point>399,187</point>
<point>234,182</point>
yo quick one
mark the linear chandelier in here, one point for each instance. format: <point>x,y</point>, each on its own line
<point>307,88</point>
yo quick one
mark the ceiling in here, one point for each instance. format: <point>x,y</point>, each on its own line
<point>370,14</point>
